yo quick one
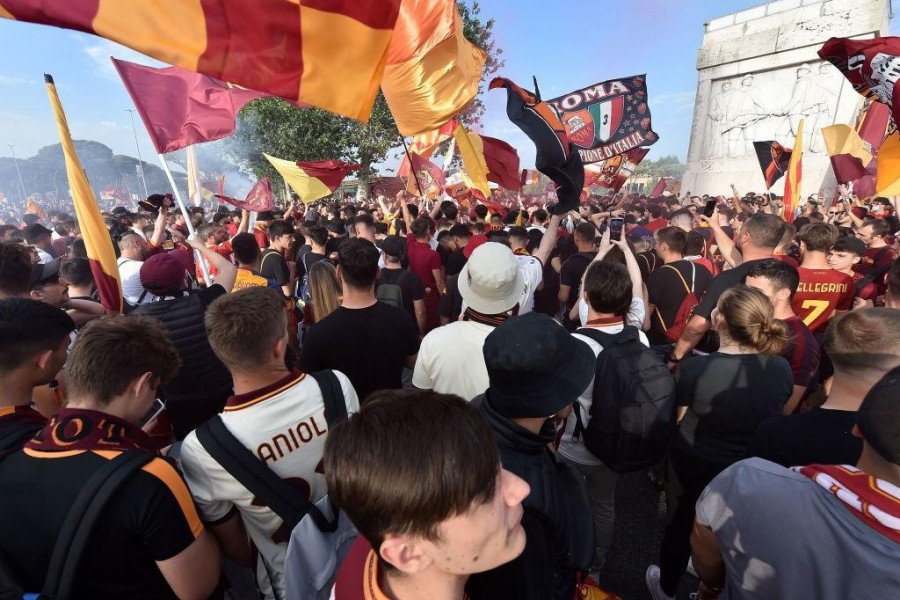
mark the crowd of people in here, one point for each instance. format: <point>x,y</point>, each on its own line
<point>465,384</point>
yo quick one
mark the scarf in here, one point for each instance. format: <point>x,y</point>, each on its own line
<point>79,429</point>
<point>874,501</point>
<point>492,320</point>
<point>521,252</point>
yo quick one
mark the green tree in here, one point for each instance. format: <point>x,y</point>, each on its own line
<point>665,166</point>
<point>277,128</point>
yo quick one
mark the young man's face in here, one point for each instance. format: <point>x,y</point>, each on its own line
<point>842,261</point>
<point>763,285</point>
<point>866,235</point>
<point>487,535</point>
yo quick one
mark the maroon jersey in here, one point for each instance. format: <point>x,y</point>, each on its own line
<point>820,293</point>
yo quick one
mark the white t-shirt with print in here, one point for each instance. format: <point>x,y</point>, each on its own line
<point>284,426</point>
<point>573,450</point>
<point>533,272</point>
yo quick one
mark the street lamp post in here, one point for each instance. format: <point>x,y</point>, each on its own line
<point>19,173</point>
<point>138,148</point>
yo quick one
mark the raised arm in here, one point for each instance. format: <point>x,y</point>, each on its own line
<point>407,218</point>
<point>726,245</point>
<point>227,271</point>
<point>549,240</point>
<point>244,225</point>
<point>159,227</point>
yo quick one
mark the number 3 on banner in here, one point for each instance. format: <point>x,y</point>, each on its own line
<point>817,306</point>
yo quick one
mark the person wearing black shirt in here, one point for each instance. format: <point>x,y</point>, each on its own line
<point>759,236</point>
<point>393,248</point>
<point>669,284</point>
<point>863,346</point>
<point>271,263</point>
<point>573,270</point>
<point>725,396</point>
<point>318,238</point>
<point>365,339</point>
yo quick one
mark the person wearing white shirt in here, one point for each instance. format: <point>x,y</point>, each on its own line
<point>133,251</point>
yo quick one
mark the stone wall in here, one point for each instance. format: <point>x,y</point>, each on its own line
<point>759,75</point>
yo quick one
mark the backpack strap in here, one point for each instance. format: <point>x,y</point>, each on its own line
<point>259,479</point>
<point>265,256</point>
<point>681,277</point>
<point>75,533</point>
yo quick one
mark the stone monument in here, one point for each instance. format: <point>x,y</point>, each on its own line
<point>759,75</point>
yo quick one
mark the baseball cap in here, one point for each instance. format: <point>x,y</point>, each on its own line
<point>536,368</point>
<point>639,232</point>
<point>41,273</point>
<point>163,273</point>
<point>490,282</point>
<point>34,231</point>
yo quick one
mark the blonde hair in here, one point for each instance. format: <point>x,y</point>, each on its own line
<point>324,289</point>
<point>747,317</point>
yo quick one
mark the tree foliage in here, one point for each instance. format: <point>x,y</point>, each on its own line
<point>664,166</point>
<point>277,128</point>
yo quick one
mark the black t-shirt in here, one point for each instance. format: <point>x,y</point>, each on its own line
<point>570,274</point>
<point>820,436</point>
<point>334,244</point>
<point>667,291</point>
<point>451,303</point>
<point>306,261</point>
<point>720,283</point>
<point>454,262</point>
<point>273,266</point>
<point>151,518</point>
<point>410,285</point>
<point>648,262</point>
<point>728,396</point>
<point>368,345</point>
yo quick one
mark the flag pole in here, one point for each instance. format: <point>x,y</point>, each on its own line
<point>411,169</point>
<point>187,220</point>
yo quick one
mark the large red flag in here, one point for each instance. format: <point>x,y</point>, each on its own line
<point>660,188</point>
<point>869,65</point>
<point>180,107</point>
<point>425,178</point>
<point>502,162</point>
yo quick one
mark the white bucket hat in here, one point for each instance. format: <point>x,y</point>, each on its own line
<point>491,282</point>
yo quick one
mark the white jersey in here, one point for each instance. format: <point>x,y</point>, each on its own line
<point>284,426</point>
<point>130,274</point>
<point>533,272</point>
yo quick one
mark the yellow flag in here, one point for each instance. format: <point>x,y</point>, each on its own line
<point>97,242</point>
<point>471,150</point>
<point>794,177</point>
<point>887,180</point>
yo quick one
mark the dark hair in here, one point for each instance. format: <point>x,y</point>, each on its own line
<point>207,229</point>
<point>243,327</point>
<point>608,288</point>
<point>481,211</point>
<point>765,230</point>
<point>782,275</point>
<point>819,237</point>
<point>413,210</point>
<point>279,228</point>
<point>113,351</point>
<point>386,489</point>
<point>656,211</point>
<point>364,219</point>
<point>79,250</point>
<point>420,227</point>
<point>28,327</point>
<point>878,419</point>
<point>358,260</point>
<point>843,245</point>
<point>519,233</point>
<point>694,244</point>
<point>540,215</point>
<point>246,250</point>
<point>460,230</point>
<point>450,211</point>
<point>673,237</point>
<point>317,235</point>
<point>585,232</point>
<point>77,271</point>
<point>880,228</point>
<point>15,269</point>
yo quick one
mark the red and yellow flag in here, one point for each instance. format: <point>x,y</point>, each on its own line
<point>97,242</point>
<point>794,177</point>
<point>313,179</point>
<point>424,178</point>
<point>328,53</point>
<point>475,166</point>
<point>426,143</point>
<point>432,70</point>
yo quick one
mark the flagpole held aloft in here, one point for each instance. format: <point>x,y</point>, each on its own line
<point>187,219</point>
<point>411,169</point>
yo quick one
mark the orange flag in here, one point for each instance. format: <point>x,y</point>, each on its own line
<point>794,177</point>
<point>97,242</point>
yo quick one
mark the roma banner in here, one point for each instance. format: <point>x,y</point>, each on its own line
<point>871,66</point>
<point>273,46</point>
<point>97,242</point>
<point>313,179</point>
<point>613,173</point>
<point>180,107</point>
<point>555,156</point>
<point>794,177</point>
<point>425,178</point>
<point>608,118</point>
<point>773,160</point>
<point>258,199</point>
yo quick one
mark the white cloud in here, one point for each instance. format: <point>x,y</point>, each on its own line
<point>99,51</point>
<point>15,81</point>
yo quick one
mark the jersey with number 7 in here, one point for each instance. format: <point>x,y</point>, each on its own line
<point>820,293</point>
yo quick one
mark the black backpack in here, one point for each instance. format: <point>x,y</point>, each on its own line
<point>74,536</point>
<point>633,413</point>
<point>392,293</point>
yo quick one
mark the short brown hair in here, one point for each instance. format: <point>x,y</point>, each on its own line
<point>864,340</point>
<point>420,227</point>
<point>673,237</point>
<point>242,327</point>
<point>765,230</point>
<point>113,351</point>
<point>819,237</point>
<point>879,228</point>
<point>408,460</point>
<point>15,269</point>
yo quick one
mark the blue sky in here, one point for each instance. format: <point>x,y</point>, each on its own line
<point>567,46</point>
